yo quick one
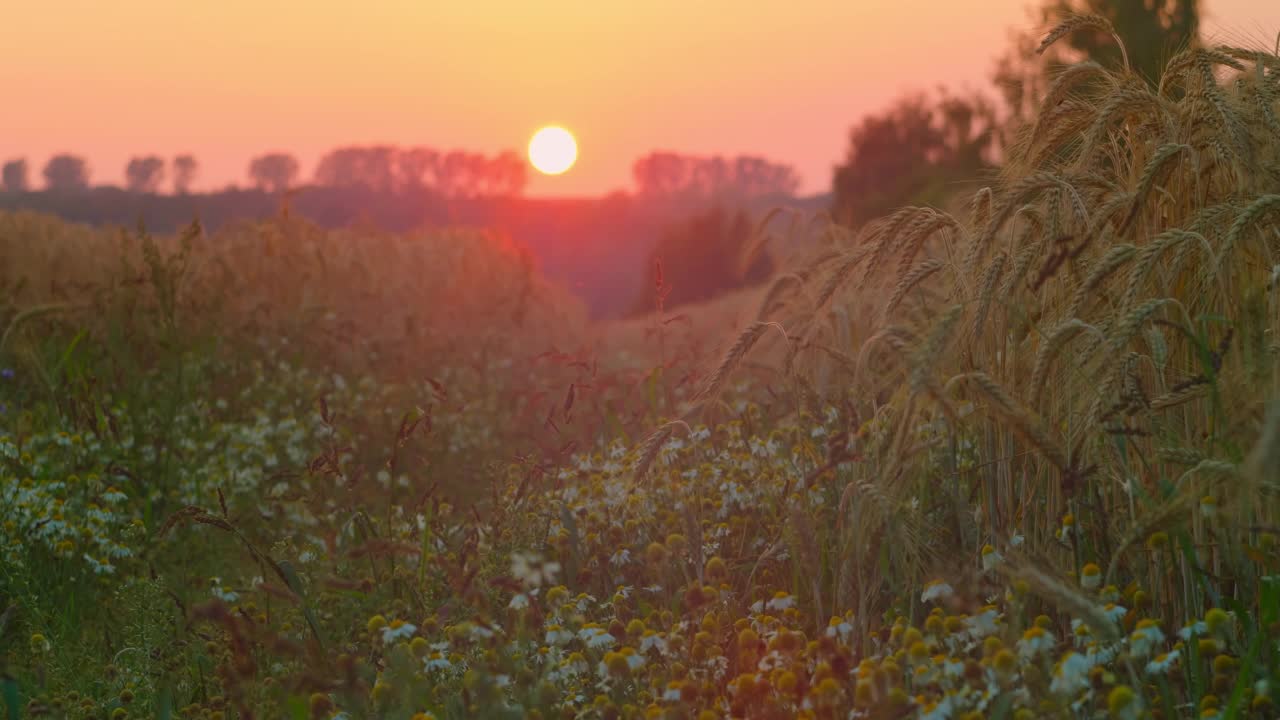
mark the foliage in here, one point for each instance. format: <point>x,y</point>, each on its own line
<point>387,169</point>
<point>914,152</point>
<point>144,174</point>
<point>668,174</point>
<point>65,172</point>
<point>273,172</point>
<point>13,177</point>
<point>184,172</point>
<point>703,257</point>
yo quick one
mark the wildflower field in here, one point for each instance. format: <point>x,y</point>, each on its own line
<point>1018,461</point>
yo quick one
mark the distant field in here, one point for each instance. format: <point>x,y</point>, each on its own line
<point>596,247</point>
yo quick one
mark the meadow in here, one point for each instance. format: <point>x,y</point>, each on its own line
<point>1020,460</point>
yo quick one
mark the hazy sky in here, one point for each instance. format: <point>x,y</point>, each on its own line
<point>225,79</point>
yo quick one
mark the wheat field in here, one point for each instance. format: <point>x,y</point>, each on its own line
<point>1019,461</point>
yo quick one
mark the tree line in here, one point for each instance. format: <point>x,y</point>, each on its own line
<point>378,168</point>
<point>676,174</point>
<point>391,170</point>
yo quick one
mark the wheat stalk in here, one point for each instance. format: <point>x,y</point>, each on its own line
<point>1021,420</point>
<point>909,281</point>
<point>1158,162</point>
<point>1178,397</point>
<point>648,450</point>
<point>1132,98</point>
<point>931,349</point>
<point>1115,258</point>
<point>1049,349</point>
<point>885,236</point>
<point>1077,22</point>
<point>1129,323</point>
<point>1068,79</point>
<point>915,239</point>
<point>1148,255</point>
<point>741,346</point>
<point>1255,211</point>
<point>848,264</point>
<point>987,290</point>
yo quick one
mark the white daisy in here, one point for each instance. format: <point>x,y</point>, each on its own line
<point>936,590</point>
<point>781,601</point>
<point>1070,674</point>
<point>1146,638</point>
<point>1162,663</point>
<point>398,630</point>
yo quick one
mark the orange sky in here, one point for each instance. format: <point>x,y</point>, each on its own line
<point>225,79</point>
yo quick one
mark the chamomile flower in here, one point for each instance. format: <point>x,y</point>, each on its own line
<point>1070,674</point>
<point>1068,526</point>
<point>530,569</point>
<point>983,622</point>
<point>653,641</point>
<point>436,660</point>
<point>398,630</point>
<point>557,636</point>
<point>936,590</point>
<point>990,558</point>
<point>596,637</point>
<point>99,567</point>
<point>112,495</point>
<point>1145,638</point>
<point>1208,506</point>
<point>781,601</point>
<point>226,596</point>
<point>1034,641</point>
<point>1163,663</point>
<point>1091,576</point>
<point>1115,612</point>
<point>839,627</point>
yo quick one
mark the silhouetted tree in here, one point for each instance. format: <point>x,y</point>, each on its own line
<point>912,153</point>
<point>662,173</point>
<point>703,257</point>
<point>457,173</point>
<point>1152,31</point>
<point>669,174</point>
<point>14,175</point>
<point>454,177</point>
<point>144,174</point>
<point>273,172</point>
<point>184,172</point>
<point>416,168</point>
<point>373,168</point>
<point>755,176</point>
<point>507,174</point>
<point>66,172</point>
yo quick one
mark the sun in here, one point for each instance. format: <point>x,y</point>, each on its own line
<point>552,150</point>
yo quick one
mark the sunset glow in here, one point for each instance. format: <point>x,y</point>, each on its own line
<point>552,150</point>
<point>227,80</point>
